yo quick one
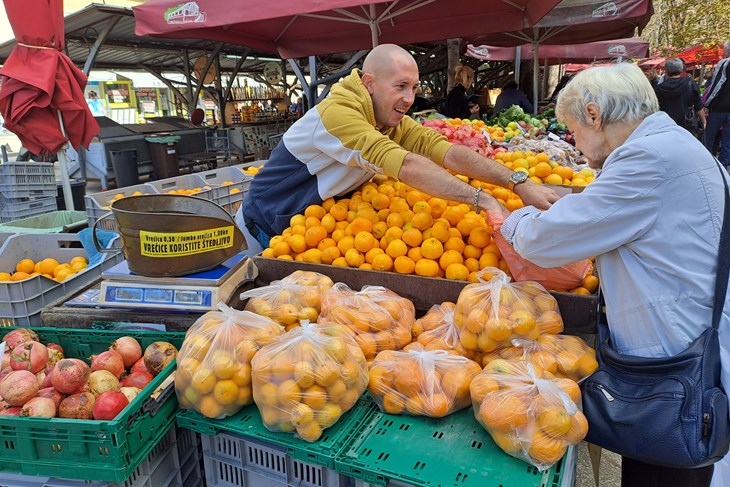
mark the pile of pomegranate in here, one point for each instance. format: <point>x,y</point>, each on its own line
<point>37,380</point>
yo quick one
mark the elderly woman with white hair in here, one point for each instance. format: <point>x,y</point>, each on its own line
<point>652,218</point>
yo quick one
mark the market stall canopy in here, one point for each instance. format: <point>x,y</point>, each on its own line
<point>300,28</point>
<point>39,82</point>
<point>571,53</point>
<point>578,21</point>
<point>701,55</point>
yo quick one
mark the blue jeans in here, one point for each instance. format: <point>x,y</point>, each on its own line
<point>718,125</point>
<point>255,245</point>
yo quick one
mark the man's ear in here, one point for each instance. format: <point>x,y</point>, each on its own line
<point>593,113</point>
<point>368,80</point>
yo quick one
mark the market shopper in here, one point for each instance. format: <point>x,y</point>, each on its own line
<point>361,130</point>
<point>512,95</point>
<point>457,103</point>
<point>679,97</point>
<point>717,100</point>
<point>652,219</point>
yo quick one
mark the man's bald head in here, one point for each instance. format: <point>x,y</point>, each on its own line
<point>386,58</point>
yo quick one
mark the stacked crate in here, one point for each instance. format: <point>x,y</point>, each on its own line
<point>27,189</point>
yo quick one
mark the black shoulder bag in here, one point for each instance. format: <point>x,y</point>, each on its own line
<point>667,411</point>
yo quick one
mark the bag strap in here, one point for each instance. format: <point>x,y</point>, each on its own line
<point>723,258</point>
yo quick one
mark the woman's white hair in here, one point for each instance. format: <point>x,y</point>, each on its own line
<point>621,91</point>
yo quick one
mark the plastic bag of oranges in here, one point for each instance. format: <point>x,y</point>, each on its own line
<point>436,331</point>
<point>560,355</point>
<point>491,314</point>
<point>214,364</point>
<point>421,382</point>
<point>290,300</point>
<point>379,318</point>
<point>528,416</point>
<point>304,380</point>
<point>564,277</point>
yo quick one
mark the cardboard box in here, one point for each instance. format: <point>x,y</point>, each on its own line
<point>580,313</point>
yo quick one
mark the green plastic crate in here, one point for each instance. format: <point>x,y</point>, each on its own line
<point>451,451</point>
<point>63,221</point>
<point>247,422</point>
<point>88,449</point>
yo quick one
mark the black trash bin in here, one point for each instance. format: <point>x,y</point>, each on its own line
<point>78,190</point>
<point>163,150</point>
<point>124,163</point>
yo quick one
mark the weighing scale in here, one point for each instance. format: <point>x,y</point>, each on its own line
<point>200,291</point>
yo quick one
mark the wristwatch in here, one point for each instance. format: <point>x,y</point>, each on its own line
<point>516,178</point>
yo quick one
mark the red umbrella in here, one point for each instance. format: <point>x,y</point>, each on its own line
<point>570,53</point>
<point>701,55</point>
<point>39,82</point>
<point>299,28</point>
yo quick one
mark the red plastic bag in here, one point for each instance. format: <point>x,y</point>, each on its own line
<point>565,277</point>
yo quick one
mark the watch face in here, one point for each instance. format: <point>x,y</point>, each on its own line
<point>519,177</point>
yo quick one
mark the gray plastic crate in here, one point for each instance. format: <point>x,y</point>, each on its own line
<point>27,180</point>
<point>21,302</point>
<point>97,204</point>
<point>165,466</point>
<point>18,208</point>
<point>231,195</point>
<point>186,181</point>
<point>233,460</point>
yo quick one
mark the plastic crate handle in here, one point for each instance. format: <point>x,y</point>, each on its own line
<point>152,405</point>
<point>93,234</point>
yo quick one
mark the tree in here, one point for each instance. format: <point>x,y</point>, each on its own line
<point>677,24</point>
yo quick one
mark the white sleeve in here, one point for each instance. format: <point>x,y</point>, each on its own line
<point>614,210</point>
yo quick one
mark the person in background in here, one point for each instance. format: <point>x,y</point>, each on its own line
<point>420,102</point>
<point>652,76</point>
<point>360,130</point>
<point>456,104</point>
<point>561,84</point>
<point>679,97</point>
<point>95,104</point>
<point>512,95</point>
<point>717,100</point>
<point>657,259</point>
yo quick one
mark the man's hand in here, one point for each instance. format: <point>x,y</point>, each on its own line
<point>536,195</point>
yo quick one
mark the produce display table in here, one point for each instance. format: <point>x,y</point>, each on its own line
<point>59,314</point>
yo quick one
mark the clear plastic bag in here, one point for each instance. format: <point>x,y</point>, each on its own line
<point>491,314</point>
<point>421,382</point>
<point>214,364</point>
<point>560,355</point>
<point>378,317</point>
<point>304,380</point>
<point>290,300</point>
<point>436,331</point>
<point>566,277</point>
<point>528,416</point>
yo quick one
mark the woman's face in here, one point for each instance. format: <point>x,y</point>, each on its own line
<point>590,140</point>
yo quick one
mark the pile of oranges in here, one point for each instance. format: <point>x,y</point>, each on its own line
<point>214,364</point>
<point>252,170</point>
<point>306,379</point>
<point>544,171</point>
<point>290,300</point>
<point>421,383</point>
<point>378,318</point>
<point>531,422</point>
<point>49,267</point>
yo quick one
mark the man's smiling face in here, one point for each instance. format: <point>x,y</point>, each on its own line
<point>393,91</point>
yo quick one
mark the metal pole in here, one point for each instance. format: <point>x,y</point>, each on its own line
<point>63,163</point>
<point>373,26</point>
<point>535,75</point>
<point>518,61</point>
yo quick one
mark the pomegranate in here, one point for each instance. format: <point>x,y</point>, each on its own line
<point>18,387</point>
<point>52,394</point>
<point>6,360</point>
<point>130,392</point>
<point>14,411</point>
<point>70,375</point>
<point>139,366</point>
<point>54,356</point>
<point>129,348</point>
<point>29,356</point>
<point>137,379</point>
<point>41,377</point>
<point>110,360</point>
<point>55,346</point>
<point>47,380</point>
<point>109,405</point>
<point>78,406</point>
<point>101,381</point>
<point>39,407</point>
<point>3,404</point>
<point>20,335</point>
<point>158,356</point>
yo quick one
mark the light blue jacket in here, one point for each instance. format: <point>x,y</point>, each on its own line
<point>653,221</point>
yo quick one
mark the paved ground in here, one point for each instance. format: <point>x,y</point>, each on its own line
<point>610,469</point>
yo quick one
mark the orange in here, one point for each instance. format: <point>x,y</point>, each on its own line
<point>415,254</point>
<point>19,276</point>
<point>339,212</point>
<point>580,290</point>
<point>454,243</point>
<point>346,243</point>
<point>543,170</point>
<point>372,253</point>
<point>396,248</point>
<point>466,225</point>
<point>382,262</point>
<point>312,221</point>
<point>209,407</point>
<point>450,257</point>
<point>404,265</point>
<point>330,254</point>
<point>503,412</point>
<point>369,191</point>
<point>414,196</point>
<point>315,210</point>
<point>329,223</point>
<point>364,241</point>
<point>440,231</point>
<point>310,431</point>
<point>472,252</point>
<point>488,259</point>
<point>314,235</point>
<point>453,214</point>
<point>361,224</point>
<point>46,266</point>
<point>554,421</point>
<point>437,405</point>
<point>546,450</point>
<point>25,265</point>
<point>457,272</point>
<point>4,276</point>
<point>328,204</point>
<point>354,258</point>
<point>313,256</point>
<point>472,264</point>
<point>61,275</point>
<point>570,387</point>
<point>432,248</point>
<point>380,202</point>
<point>553,179</point>
<point>393,403</point>
<point>225,392</point>
<point>479,237</point>
<point>412,237</point>
<point>427,268</point>
<point>578,428</point>
<point>508,442</point>
<point>422,220</point>
<point>591,283</point>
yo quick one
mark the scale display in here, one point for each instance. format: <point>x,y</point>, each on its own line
<point>158,296</point>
